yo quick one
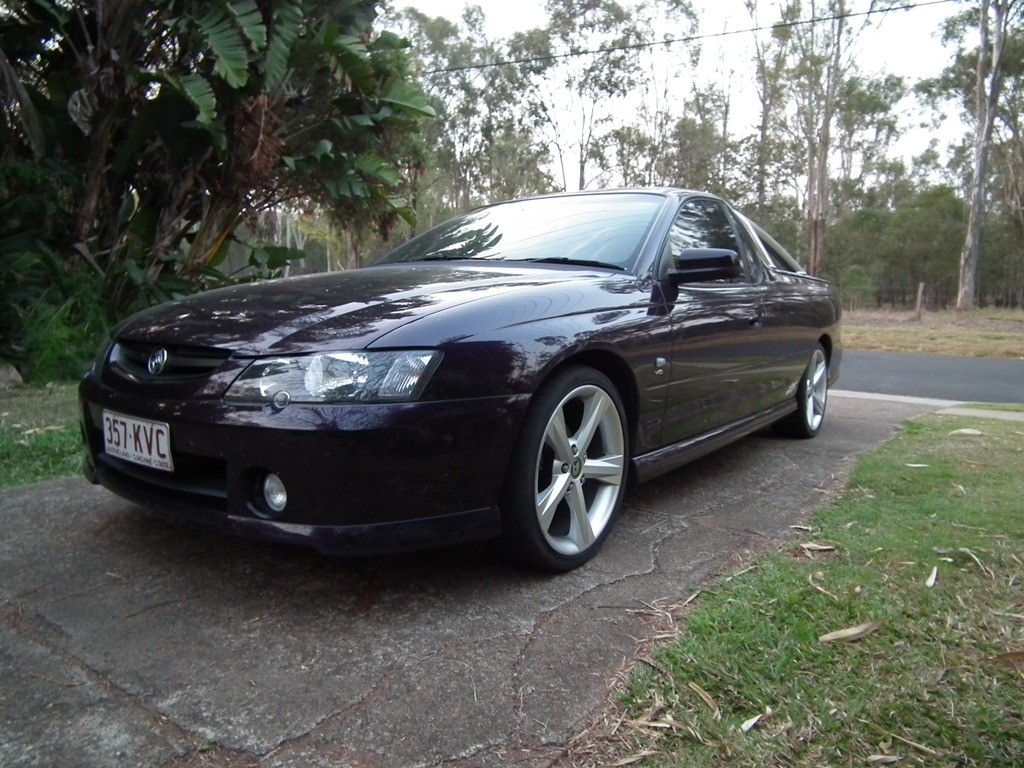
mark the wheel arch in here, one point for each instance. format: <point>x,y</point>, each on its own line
<point>826,342</point>
<point>618,372</point>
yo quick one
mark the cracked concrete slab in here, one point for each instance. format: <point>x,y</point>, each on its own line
<point>129,638</point>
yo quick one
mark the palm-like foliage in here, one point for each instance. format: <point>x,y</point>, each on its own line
<point>169,122</point>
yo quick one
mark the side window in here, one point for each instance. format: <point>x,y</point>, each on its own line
<point>705,224</point>
<point>778,262</point>
<point>752,265</point>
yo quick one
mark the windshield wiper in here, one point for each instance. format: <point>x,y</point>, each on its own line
<point>442,257</point>
<point>575,262</point>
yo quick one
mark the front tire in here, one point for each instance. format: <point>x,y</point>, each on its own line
<point>811,399</point>
<point>567,478</point>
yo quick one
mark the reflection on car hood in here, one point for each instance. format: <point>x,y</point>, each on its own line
<point>302,314</point>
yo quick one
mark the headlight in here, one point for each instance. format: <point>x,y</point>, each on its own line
<point>336,377</point>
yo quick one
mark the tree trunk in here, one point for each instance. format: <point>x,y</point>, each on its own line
<point>966,297</point>
<point>818,203</point>
<point>990,74</point>
<point>818,171</point>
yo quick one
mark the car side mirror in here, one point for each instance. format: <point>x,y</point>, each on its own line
<point>698,265</point>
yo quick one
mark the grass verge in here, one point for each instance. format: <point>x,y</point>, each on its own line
<point>39,434</point>
<point>925,555</point>
<point>974,333</point>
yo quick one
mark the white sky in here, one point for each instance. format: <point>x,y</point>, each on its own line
<point>903,42</point>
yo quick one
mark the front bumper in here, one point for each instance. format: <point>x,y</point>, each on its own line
<point>361,478</point>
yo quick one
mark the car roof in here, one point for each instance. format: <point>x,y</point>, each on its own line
<point>678,193</point>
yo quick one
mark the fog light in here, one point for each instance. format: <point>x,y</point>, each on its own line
<point>274,493</point>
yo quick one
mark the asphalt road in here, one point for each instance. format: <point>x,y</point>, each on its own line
<point>970,380</point>
<point>130,639</point>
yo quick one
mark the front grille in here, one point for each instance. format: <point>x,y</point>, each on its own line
<point>197,480</point>
<point>131,359</point>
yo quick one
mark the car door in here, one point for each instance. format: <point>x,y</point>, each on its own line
<point>717,373</point>
<point>792,314</point>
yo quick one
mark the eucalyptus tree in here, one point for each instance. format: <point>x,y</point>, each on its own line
<point>897,249</point>
<point>483,146</point>
<point>997,20</point>
<point>821,62</point>
<point>702,152</point>
<point>767,148</point>
<point>866,126</point>
<point>594,48</point>
<point>641,148</point>
<point>986,80</point>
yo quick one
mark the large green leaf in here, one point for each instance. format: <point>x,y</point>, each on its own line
<point>231,59</point>
<point>377,170</point>
<point>250,21</point>
<point>284,31</point>
<point>198,91</point>
<point>409,98</point>
<point>351,61</point>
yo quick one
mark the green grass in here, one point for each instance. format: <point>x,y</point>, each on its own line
<point>931,686</point>
<point>39,434</point>
<point>1011,407</point>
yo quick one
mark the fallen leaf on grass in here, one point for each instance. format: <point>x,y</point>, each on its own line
<point>667,724</point>
<point>930,582</point>
<point>810,546</point>
<point>852,633</point>
<point>1013,658</point>
<point>633,759</point>
<point>884,759</point>
<point>819,575</point>
<point>706,698</point>
<point>751,723</point>
<point>963,551</point>
<point>41,430</point>
<point>971,432</point>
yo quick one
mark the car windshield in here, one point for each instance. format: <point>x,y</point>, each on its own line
<point>592,230</point>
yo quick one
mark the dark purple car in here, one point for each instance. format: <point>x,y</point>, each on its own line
<point>500,376</point>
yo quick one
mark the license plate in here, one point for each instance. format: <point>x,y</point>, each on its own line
<point>139,441</point>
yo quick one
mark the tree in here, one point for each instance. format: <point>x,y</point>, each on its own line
<point>139,135</point>
<point>483,146</point>
<point>593,82</point>
<point>866,127</point>
<point>176,120</point>
<point>821,65</point>
<point>767,147</point>
<point>996,19</point>
<point>701,154</point>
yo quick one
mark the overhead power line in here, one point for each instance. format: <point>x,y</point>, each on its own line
<point>688,39</point>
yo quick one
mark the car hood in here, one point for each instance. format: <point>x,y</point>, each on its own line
<point>344,309</point>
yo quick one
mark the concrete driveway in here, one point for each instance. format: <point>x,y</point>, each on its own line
<point>128,639</point>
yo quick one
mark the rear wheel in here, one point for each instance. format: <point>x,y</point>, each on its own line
<point>811,399</point>
<point>566,480</point>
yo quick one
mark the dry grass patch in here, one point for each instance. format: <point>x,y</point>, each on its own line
<point>977,333</point>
